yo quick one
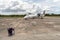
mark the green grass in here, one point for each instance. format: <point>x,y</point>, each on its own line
<point>54,15</point>
<point>12,15</point>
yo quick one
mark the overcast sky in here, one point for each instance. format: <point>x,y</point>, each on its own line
<point>30,5</point>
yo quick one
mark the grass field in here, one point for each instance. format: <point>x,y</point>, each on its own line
<point>12,15</point>
<point>53,15</point>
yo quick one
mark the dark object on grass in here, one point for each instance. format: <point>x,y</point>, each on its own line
<point>11,31</point>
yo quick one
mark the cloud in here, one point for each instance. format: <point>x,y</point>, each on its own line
<point>30,5</point>
<point>18,6</point>
<point>56,0</point>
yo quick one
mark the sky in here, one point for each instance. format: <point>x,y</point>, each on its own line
<point>33,6</point>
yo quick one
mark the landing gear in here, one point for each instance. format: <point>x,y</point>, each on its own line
<point>41,17</point>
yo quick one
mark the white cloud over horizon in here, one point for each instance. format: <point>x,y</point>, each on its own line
<point>31,5</point>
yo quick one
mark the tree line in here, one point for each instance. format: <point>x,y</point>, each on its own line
<point>24,15</point>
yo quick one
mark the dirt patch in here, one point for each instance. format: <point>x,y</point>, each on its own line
<point>31,29</point>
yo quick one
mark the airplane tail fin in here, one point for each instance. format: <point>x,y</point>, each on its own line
<point>44,12</point>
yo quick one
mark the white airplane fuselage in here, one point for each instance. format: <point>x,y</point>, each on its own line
<point>41,15</point>
<point>30,16</point>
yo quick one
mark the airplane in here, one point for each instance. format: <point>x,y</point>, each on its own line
<point>35,15</point>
